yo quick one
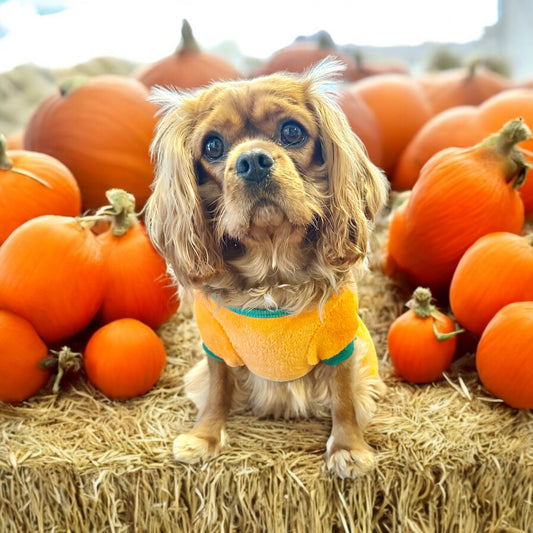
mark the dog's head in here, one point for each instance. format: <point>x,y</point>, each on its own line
<point>246,165</point>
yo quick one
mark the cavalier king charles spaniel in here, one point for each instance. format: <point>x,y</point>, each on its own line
<point>263,202</point>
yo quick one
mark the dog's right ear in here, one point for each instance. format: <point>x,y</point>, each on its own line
<point>175,218</point>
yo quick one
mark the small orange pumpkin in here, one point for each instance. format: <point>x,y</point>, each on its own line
<point>504,357</point>
<point>461,195</point>
<point>124,358</point>
<point>422,341</point>
<point>21,352</point>
<point>52,274</point>
<point>33,184</point>
<point>136,282</point>
<point>496,270</point>
<point>189,67</point>
<point>101,129</point>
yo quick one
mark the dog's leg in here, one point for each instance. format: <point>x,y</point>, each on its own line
<point>209,434</point>
<point>347,452</point>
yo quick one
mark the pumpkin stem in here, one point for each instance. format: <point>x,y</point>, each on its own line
<point>188,42</point>
<point>62,361</point>
<point>121,211</point>
<point>504,143</point>
<point>68,86</point>
<point>420,303</point>
<point>445,336</point>
<point>6,163</point>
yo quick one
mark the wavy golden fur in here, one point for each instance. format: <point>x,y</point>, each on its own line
<point>264,198</point>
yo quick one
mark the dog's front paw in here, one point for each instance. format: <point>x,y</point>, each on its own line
<point>192,448</point>
<point>349,463</point>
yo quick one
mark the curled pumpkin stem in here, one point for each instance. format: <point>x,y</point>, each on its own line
<point>421,303</point>
<point>515,165</point>
<point>61,362</point>
<point>120,213</point>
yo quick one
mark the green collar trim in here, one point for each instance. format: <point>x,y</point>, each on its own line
<point>259,313</point>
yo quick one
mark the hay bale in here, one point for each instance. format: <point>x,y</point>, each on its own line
<point>450,458</point>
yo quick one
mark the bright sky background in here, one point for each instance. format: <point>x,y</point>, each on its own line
<point>146,30</point>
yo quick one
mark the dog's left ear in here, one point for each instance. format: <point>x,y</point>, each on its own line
<point>357,188</point>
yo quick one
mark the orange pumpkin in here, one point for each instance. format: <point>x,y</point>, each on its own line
<point>136,282</point>
<point>461,195</point>
<point>456,127</point>
<point>422,341</point>
<point>101,129</point>
<point>33,184</point>
<point>188,67</point>
<point>52,274</point>
<point>505,106</point>
<point>124,358</point>
<point>400,108</point>
<point>496,270</point>
<point>363,123</point>
<point>21,351</point>
<point>504,356</point>
<point>470,85</point>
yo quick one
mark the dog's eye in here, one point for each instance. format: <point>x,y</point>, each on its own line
<point>213,148</point>
<point>292,134</point>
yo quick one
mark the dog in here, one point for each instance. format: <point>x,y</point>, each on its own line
<point>262,205</point>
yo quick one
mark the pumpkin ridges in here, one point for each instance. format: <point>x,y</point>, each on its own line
<point>461,194</point>
<point>102,131</point>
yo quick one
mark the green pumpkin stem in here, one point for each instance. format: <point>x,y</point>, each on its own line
<point>504,143</point>
<point>421,304</point>
<point>6,163</point>
<point>188,42</point>
<point>61,362</point>
<point>121,211</point>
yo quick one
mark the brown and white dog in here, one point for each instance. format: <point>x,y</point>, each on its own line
<point>264,199</point>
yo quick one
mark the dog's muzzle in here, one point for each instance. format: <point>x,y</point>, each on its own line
<point>255,165</point>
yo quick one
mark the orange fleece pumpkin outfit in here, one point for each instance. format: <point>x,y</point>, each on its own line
<point>280,346</point>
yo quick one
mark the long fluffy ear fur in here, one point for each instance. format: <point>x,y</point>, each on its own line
<point>357,189</point>
<point>175,218</point>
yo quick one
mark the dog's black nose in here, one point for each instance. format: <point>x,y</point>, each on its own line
<point>254,165</point>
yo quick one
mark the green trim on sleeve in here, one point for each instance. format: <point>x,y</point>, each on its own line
<point>341,356</point>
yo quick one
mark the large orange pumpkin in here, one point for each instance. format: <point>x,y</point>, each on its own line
<point>462,194</point>
<point>496,270</point>
<point>504,356</point>
<point>401,109</point>
<point>188,67</point>
<point>52,274</point>
<point>101,129</point>
<point>33,184</point>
